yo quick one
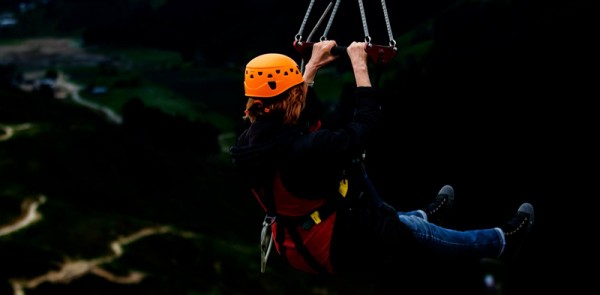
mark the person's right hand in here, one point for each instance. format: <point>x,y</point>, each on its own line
<point>357,53</point>
<point>358,57</point>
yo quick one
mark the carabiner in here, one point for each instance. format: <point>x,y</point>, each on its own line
<point>266,241</point>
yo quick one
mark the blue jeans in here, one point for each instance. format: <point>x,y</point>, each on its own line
<point>476,243</point>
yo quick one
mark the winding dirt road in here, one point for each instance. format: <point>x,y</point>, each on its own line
<point>40,54</point>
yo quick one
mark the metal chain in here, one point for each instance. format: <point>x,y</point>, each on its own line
<point>335,8</point>
<point>305,20</point>
<point>387,24</point>
<point>364,21</point>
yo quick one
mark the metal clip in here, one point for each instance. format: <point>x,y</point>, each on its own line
<point>266,241</point>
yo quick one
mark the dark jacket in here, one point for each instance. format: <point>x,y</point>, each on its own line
<point>308,165</point>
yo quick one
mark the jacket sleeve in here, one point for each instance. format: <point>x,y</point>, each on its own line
<point>368,111</point>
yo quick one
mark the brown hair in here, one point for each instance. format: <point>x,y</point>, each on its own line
<point>287,105</point>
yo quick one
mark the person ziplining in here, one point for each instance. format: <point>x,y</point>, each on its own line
<point>322,213</point>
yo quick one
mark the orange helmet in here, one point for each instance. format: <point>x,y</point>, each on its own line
<point>271,74</point>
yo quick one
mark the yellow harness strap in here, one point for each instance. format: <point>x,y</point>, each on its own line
<point>343,189</point>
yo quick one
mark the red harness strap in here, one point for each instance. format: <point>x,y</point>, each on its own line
<point>302,228</point>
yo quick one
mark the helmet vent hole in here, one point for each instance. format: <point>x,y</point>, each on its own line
<point>272,85</point>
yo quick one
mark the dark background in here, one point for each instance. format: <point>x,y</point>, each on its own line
<point>499,108</point>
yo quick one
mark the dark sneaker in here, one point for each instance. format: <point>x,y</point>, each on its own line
<point>437,210</point>
<point>517,229</point>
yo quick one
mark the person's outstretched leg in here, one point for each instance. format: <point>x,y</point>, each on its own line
<point>490,242</point>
